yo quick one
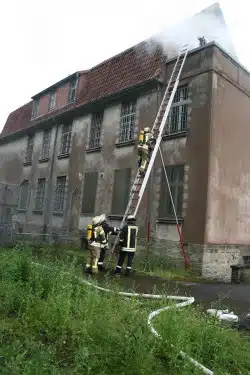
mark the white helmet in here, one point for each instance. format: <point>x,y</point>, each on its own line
<point>96,220</point>
<point>103,218</point>
<point>130,217</point>
<point>147,130</point>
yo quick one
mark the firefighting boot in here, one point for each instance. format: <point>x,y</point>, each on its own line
<point>128,271</point>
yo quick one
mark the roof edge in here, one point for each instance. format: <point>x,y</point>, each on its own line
<point>64,80</point>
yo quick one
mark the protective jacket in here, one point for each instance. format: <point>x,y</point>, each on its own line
<point>98,237</point>
<point>108,229</point>
<point>128,238</point>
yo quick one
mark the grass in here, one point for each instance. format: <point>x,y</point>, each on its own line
<point>51,324</point>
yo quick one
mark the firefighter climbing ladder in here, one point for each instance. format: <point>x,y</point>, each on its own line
<point>140,181</point>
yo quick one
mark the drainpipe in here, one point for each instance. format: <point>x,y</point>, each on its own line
<point>49,203</point>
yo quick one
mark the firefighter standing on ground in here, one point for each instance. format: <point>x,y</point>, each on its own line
<point>146,140</point>
<point>108,229</point>
<point>96,237</point>
<point>128,241</point>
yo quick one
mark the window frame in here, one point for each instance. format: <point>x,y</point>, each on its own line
<point>29,149</point>
<point>96,130</point>
<point>177,121</point>
<point>177,190</point>
<point>45,150</point>
<point>66,137</point>
<point>127,121</point>
<point>39,194</point>
<point>52,100</point>
<point>72,89</point>
<point>25,206</point>
<point>62,195</point>
<point>35,108</point>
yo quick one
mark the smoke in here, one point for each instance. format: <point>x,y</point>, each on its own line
<point>209,23</point>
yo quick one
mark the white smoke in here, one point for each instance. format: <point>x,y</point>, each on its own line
<point>209,24</point>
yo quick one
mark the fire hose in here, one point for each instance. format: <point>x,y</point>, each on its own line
<point>183,301</point>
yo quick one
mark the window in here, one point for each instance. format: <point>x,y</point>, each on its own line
<point>59,193</point>
<point>89,192</point>
<point>176,180</point>
<point>46,144</point>
<point>127,125</point>
<point>23,196</point>
<point>35,111</point>
<point>72,91</point>
<point>177,118</point>
<point>95,130</point>
<point>66,139</point>
<point>52,100</point>
<point>29,149</point>
<point>246,259</point>
<point>121,187</point>
<point>40,194</point>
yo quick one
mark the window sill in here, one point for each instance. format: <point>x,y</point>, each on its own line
<point>115,217</point>
<point>58,213</point>
<point>39,212</point>
<point>169,220</point>
<point>22,210</point>
<point>93,149</point>
<point>175,135</point>
<point>26,163</point>
<point>63,156</point>
<point>124,144</point>
<point>43,160</point>
<point>87,214</point>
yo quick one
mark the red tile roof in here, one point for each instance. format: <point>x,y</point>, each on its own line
<point>127,69</point>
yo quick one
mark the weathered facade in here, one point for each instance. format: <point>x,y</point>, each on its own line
<point>73,152</point>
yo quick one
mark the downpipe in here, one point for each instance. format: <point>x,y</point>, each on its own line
<point>183,301</point>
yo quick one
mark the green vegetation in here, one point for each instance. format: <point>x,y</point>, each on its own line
<point>51,324</point>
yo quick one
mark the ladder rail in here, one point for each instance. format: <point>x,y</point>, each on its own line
<point>165,94</point>
<point>182,56</point>
<point>159,138</point>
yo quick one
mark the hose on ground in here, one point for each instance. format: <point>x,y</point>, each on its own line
<point>185,302</point>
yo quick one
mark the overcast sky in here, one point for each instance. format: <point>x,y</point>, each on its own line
<point>44,41</point>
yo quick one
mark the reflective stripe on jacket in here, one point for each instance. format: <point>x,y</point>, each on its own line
<point>128,238</point>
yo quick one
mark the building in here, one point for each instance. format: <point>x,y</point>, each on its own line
<point>73,152</point>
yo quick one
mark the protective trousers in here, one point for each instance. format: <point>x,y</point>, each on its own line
<point>93,256</point>
<point>121,259</point>
<point>102,256</point>
<point>143,153</point>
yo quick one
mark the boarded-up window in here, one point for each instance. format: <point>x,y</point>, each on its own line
<point>176,180</point>
<point>121,187</point>
<point>89,192</point>
<point>23,196</point>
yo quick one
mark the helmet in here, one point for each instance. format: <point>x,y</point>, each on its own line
<point>103,218</point>
<point>96,220</point>
<point>147,130</point>
<point>131,218</point>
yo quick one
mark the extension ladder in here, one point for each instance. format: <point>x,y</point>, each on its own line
<point>140,181</point>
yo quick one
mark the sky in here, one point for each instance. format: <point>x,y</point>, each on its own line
<point>43,42</point>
